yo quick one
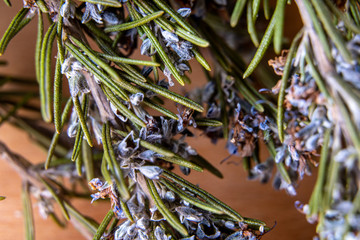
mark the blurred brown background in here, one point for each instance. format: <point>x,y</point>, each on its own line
<point>251,199</point>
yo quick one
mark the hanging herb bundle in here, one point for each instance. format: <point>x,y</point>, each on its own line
<point>126,142</point>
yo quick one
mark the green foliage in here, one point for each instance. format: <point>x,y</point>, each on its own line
<point>129,154</point>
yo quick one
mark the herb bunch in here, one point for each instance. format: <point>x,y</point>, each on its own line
<point>126,142</point>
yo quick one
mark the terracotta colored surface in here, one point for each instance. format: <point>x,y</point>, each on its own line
<point>249,198</point>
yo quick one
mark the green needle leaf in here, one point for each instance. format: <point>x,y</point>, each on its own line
<point>264,44</point>
<point>236,14</point>
<point>160,109</point>
<point>129,60</point>
<point>28,213</point>
<point>177,159</point>
<point>89,225</point>
<point>108,3</point>
<point>203,194</point>
<point>105,222</point>
<point>170,95</point>
<point>87,157</point>
<point>208,123</point>
<point>82,118</point>
<point>77,145</point>
<point>57,95</point>
<point>251,25</point>
<point>12,29</point>
<point>56,197</point>
<point>164,210</point>
<point>39,39</point>
<point>190,199</point>
<point>56,136</point>
<point>45,74</point>
<point>42,6</point>
<point>278,32</point>
<point>124,192</point>
<point>266,9</point>
<point>255,9</point>
<point>133,24</point>
<point>206,165</point>
<point>199,57</point>
<point>316,196</point>
<point>7,2</point>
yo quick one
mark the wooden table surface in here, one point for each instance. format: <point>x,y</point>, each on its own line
<point>251,199</point>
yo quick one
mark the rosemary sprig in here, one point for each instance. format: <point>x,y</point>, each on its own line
<point>139,149</point>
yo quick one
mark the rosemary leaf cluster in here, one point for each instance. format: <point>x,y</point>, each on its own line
<point>125,141</point>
